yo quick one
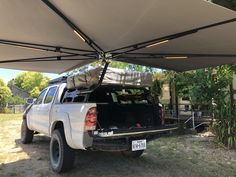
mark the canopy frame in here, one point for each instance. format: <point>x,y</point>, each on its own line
<point>141,45</point>
<point>76,29</point>
<point>119,54</point>
<point>134,47</point>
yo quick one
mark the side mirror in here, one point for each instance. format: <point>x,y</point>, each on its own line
<point>30,100</point>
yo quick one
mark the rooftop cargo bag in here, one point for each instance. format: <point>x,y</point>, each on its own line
<point>90,77</point>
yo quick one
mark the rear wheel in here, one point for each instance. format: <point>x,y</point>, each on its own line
<point>132,154</point>
<point>61,155</point>
<point>26,134</point>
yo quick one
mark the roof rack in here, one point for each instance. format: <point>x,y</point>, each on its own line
<point>58,80</point>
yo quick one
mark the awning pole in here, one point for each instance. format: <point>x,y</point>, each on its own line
<point>103,72</point>
<point>107,62</point>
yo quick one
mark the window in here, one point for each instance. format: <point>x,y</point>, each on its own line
<point>79,99</point>
<point>186,99</point>
<point>68,97</point>
<point>41,96</point>
<point>50,95</point>
<point>73,97</point>
<point>186,108</point>
<point>120,95</point>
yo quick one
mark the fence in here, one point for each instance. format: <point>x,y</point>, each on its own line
<point>12,109</point>
<point>186,110</point>
<point>189,115</point>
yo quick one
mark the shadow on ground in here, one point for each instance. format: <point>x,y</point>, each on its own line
<point>87,163</point>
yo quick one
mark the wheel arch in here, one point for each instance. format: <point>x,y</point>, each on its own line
<point>57,125</point>
<point>65,126</point>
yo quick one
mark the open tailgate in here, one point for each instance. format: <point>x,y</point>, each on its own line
<point>135,131</point>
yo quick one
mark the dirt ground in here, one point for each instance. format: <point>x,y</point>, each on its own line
<point>188,155</point>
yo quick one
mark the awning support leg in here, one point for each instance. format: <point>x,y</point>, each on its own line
<point>107,62</point>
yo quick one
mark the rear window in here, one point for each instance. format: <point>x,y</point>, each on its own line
<point>73,97</point>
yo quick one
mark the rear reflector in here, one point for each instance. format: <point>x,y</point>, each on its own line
<point>91,119</point>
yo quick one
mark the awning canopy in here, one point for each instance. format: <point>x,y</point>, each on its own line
<point>57,36</point>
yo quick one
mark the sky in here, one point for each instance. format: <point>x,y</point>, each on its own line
<point>8,74</point>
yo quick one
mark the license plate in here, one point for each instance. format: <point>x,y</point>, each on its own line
<point>138,145</point>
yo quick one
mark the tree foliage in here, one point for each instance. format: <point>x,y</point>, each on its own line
<point>225,125</point>
<point>211,86</point>
<point>5,93</point>
<point>117,64</point>
<point>203,85</point>
<point>15,100</point>
<point>31,82</point>
<point>2,83</point>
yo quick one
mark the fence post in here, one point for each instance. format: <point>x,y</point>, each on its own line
<point>193,119</point>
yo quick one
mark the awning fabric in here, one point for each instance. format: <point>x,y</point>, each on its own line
<point>56,35</point>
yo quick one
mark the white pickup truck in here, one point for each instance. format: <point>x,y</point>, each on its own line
<point>108,118</point>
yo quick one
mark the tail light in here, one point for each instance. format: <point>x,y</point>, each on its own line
<point>91,119</point>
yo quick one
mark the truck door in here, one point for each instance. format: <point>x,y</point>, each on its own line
<point>33,119</point>
<point>44,110</point>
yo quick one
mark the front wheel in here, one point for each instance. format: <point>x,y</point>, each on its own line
<point>26,134</point>
<point>132,154</point>
<point>61,155</point>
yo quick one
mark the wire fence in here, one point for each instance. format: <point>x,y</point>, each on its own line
<point>191,116</point>
<point>186,110</point>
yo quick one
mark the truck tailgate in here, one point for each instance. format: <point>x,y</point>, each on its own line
<point>135,132</point>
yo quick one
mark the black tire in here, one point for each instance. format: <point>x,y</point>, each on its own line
<point>26,134</point>
<point>61,155</point>
<point>132,154</point>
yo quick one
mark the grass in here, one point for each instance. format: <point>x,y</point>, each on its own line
<point>186,155</point>
<point>193,156</point>
<point>9,117</point>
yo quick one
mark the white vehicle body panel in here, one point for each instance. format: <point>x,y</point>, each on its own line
<point>73,118</point>
<point>43,118</point>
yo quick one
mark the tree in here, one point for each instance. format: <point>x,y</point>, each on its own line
<point>120,65</point>
<point>2,83</point>
<point>203,85</point>
<point>208,86</point>
<point>15,100</point>
<point>31,82</point>
<point>156,90</point>
<point>5,93</point>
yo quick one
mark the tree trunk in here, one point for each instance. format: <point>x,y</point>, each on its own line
<point>231,90</point>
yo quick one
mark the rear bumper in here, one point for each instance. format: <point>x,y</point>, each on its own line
<point>120,140</point>
<point>133,132</point>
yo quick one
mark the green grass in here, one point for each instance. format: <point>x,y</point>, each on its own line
<point>8,117</point>
<point>191,156</point>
